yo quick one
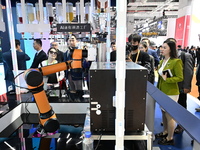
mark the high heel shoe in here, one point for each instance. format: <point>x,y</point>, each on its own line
<point>164,141</point>
<point>161,135</point>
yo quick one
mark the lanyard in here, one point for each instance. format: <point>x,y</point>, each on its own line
<point>137,56</point>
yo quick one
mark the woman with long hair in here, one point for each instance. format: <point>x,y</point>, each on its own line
<point>52,80</point>
<point>168,84</point>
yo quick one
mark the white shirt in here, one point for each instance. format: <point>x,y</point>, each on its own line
<point>160,71</point>
<point>39,51</point>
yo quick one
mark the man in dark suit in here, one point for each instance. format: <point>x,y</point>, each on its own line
<point>113,53</point>
<point>60,55</point>
<point>185,85</point>
<point>40,54</point>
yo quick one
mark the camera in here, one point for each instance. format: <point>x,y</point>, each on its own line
<point>128,49</point>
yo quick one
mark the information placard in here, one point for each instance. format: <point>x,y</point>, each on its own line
<point>72,27</point>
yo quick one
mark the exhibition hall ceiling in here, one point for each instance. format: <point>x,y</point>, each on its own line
<point>137,8</point>
<point>152,8</point>
<point>138,11</point>
<point>142,11</point>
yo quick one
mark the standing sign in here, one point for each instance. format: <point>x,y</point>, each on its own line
<point>69,27</point>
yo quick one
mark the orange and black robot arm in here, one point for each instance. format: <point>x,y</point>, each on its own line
<point>34,80</point>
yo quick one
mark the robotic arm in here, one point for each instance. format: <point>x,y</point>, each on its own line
<point>34,79</point>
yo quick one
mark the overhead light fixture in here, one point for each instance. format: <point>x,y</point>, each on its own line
<point>58,140</point>
<point>68,140</point>
<point>167,2</point>
<point>152,23</point>
<point>9,145</point>
<point>68,135</point>
<point>143,1</point>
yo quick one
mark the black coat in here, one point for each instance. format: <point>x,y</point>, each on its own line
<point>38,59</point>
<point>60,56</point>
<point>113,56</point>
<point>143,60</point>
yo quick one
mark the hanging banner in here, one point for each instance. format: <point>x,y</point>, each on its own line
<point>182,30</point>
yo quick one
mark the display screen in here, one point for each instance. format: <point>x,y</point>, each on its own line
<point>159,24</point>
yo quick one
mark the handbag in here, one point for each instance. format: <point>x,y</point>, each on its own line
<point>62,84</point>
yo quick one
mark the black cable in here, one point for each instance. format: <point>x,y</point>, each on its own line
<point>20,86</point>
<point>13,82</point>
<point>26,104</point>
<point>26,110</point>
<point>98,141</point>
<point>18,75</point>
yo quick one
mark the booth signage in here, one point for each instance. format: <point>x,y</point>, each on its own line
<point>69,27</point>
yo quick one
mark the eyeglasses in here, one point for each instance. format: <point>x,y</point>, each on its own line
<point>51,52</point>
<point>54,45</point>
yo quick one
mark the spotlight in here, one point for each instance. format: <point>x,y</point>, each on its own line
<point>68,140</point>
<point>68,135</point>
<point>9,145</point>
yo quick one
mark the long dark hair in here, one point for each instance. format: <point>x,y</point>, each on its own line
<point>172,46</point>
